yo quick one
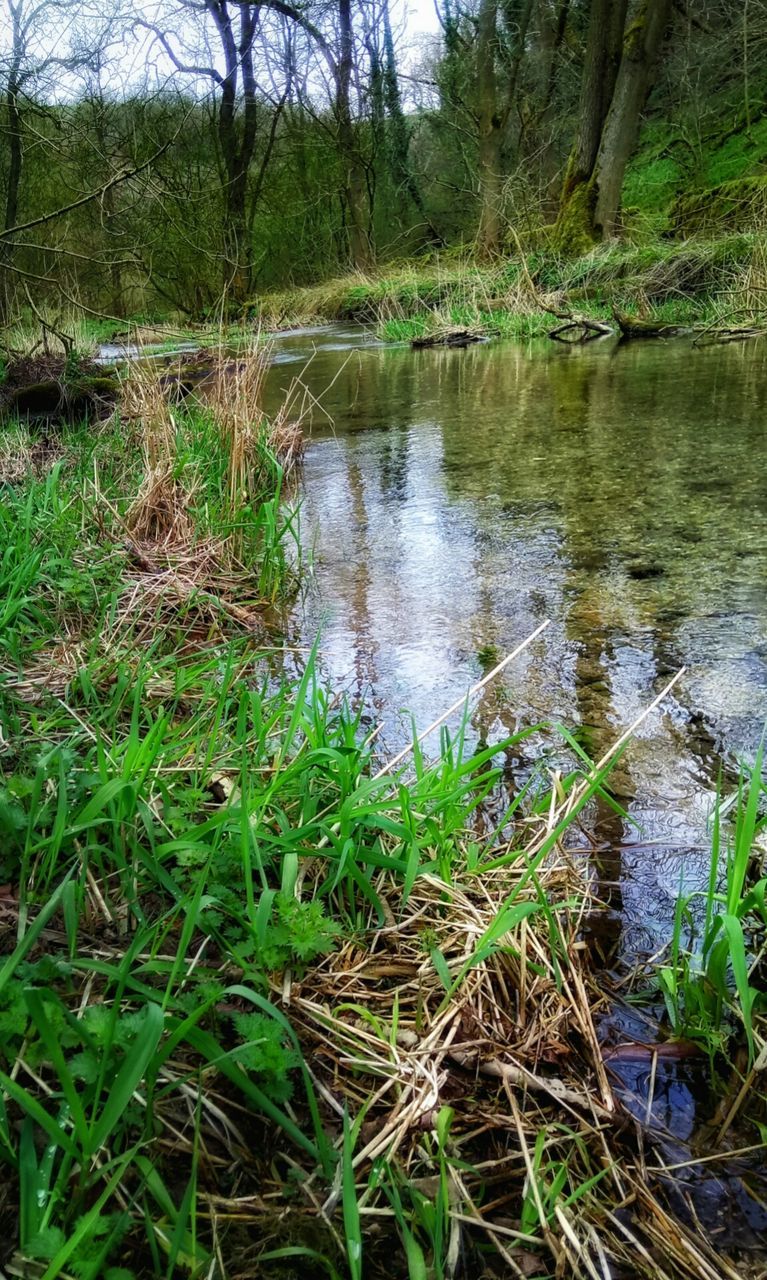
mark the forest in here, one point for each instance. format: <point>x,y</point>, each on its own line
<point>176,164</point>
<point>383,640</point>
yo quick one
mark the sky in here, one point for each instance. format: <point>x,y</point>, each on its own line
<point>420,17</point>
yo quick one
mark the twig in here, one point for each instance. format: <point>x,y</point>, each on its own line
<point>461,701</point>
<point>513,1073</point>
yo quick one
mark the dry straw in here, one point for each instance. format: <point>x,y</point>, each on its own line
<point>172,562</point>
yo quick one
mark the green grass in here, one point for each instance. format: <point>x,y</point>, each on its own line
<point>238,957</point>
<point>113,818</point>
<point>163,790</point>
<point>708,984</point>
<point>696,281</point>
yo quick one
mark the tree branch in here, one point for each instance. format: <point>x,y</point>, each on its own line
<point>189,68</point>
<point>92,195</point>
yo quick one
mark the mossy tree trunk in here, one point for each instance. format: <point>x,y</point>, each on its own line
<point>612,98</point>
<point>575,224</point>
<point>494,106</point>
<point>641,47</point>
<point>237,138</point>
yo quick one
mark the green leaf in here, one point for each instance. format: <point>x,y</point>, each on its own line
<point>441,967</point>
<point>46,1243</point>
<point>352,1225</point>
<point>130,1074</point>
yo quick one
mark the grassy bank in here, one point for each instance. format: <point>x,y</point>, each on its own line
<point>711,282</point>
<point>270,1006</point>
<point>697,281</point>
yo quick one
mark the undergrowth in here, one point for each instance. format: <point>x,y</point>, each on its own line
<point>696,281</point>
<point>268,1007</point>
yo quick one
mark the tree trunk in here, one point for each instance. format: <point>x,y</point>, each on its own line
<point>13,133</point>
<point>237,139</point>
<point>355,180</point>
<point>398,134</point>
<point>490,129</point>
<point>574,231</point>
<point>640,51</point>
<point>552,26</point>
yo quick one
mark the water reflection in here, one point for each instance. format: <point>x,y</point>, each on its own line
<point>456,498</point>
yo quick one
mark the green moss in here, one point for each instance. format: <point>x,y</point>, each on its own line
<point>574,233</point>
<point>737,156</point>
<point>649,191</point>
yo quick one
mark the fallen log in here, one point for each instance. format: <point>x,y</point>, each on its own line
<point>711,337</point>
<point>43,389</point>
<point>581,328</point>
<point>634,327</point>
<point>585,329</point>
<point>448,338</point>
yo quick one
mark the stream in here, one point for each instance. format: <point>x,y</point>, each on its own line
<point>454,499</point>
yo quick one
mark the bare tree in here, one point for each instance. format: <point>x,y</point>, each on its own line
<point>40,48</point>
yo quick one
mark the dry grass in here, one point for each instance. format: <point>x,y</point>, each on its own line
<point>25,455</point>
<point>512,1048</point>
<point>503,1032</point>
<point>161,584</point>
<point>158,514</point>
<point>173,565</point>
<point>50,674</point>
<point>232,390</point>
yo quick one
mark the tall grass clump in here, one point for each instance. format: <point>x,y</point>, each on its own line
<point>700,281</point>
<point>213,494</point>
<point>711,985</point>
<point>209,886</point>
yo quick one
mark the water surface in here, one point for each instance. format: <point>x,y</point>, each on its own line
<point>455,499</point>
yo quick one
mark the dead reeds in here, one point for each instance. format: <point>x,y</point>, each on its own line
<point>211,464</point>
<point>472,1010</point>
<point>459,1032</point>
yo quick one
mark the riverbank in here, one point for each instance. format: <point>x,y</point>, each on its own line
<point>272,1004</point>
<point>705,283</point>
<point>697,281</point>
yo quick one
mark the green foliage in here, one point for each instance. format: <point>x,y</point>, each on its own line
<point>264,1052</point>
<point>739,153</point>
<point>169,804</point>
<point>707,988</point>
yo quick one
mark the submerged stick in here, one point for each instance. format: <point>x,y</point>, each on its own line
<point>462,701</point>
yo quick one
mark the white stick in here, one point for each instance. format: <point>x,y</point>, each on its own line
<point>462,701</point>
<point>629,733</point>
